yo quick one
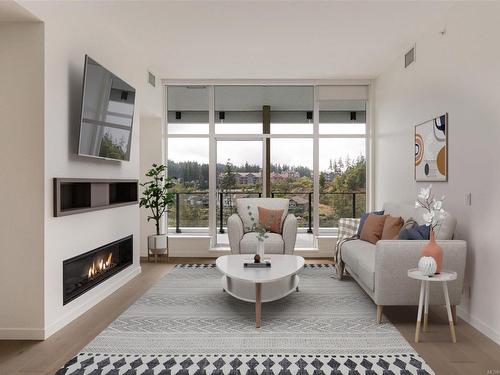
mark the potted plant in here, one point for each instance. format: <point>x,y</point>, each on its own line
<point>156,197</point>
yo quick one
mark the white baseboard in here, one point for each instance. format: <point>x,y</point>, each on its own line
<point>479,325</point>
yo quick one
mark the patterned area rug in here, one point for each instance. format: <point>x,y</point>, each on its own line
<point>186,324</point>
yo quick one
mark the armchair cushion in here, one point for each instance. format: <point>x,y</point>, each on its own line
<point>242,205</point>
<point>273,244</point>
<point>271,219</point>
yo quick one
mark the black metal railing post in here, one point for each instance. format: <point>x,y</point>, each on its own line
<point>177,213</point>
<point>309,230</point>
<point>221,212</point>
<point>272,194</point>
<point>353,204</point>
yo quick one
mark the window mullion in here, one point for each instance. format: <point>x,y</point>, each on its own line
<point>212,169</point>
<point>316,164</point>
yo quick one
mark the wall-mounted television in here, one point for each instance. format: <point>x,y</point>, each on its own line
<point>107,114</point>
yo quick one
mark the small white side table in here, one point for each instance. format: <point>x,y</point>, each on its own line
<point>443,278</point>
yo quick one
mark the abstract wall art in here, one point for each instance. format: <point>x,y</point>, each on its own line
<point>431,150</point>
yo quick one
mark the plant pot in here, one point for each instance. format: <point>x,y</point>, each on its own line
<point>157,243</point>
<point>432,249</point>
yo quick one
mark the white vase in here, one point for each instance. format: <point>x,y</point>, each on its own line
<point>427,265</point>
<point>260,249</point>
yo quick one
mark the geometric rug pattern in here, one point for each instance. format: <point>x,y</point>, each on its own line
<point>186,324</point>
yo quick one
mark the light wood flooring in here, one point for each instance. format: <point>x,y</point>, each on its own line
<point>473,354</point>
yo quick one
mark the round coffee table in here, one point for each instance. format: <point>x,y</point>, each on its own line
<point>246,283</point>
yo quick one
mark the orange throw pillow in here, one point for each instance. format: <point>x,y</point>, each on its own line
<point>373,228</point>
<point>270,219</point>
<point>392,227</point>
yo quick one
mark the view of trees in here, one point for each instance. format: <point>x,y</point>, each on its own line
<point>111,148</point>
<point>341,185</point>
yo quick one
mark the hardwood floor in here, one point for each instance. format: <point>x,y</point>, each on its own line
<point>473,354</point>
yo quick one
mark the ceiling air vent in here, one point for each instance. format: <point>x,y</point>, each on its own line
<point>409,57</point>
<point>151,79</point>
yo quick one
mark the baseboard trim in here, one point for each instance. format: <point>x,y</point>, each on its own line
<point>22,334</point>
<point>115,284</point>
<point>479,325</point>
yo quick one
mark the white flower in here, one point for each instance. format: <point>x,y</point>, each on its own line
<point>425,193</point>
<point>428,217</point>
<point>442,215</point>
<point>437,205</point>
<point>417,205</point>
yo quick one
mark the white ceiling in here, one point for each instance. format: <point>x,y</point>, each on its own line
<point>265,39</point>
<point>272,39</point>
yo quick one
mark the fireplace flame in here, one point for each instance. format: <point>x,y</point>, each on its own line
<point>99,266</point>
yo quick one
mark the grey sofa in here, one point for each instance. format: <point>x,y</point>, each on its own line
<point>381,269</point>
<point>243,241</point>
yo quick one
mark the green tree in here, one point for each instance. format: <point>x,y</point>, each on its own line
<point>228,178</point>
<point>322,180</point>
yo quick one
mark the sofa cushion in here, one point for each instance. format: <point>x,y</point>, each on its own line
<point>392,226</point>
<point>271,219</point>
<point>406,211</point>
<point>419,232</point>
<point>362,220</point>
<point>272,245</point>
<point>373,228</point>
<point>360,257</point>
<point>242,205</point>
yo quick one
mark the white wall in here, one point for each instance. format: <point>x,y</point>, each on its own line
<point>150,140</point>
<point>69,35</point>
<point>21,182</point>
<point>456,73</point>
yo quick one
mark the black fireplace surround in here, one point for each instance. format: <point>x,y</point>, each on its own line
<point>85,271</point>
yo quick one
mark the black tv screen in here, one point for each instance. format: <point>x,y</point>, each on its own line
<point>107,114</point>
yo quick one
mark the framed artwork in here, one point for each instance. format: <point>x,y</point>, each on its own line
<point>431,150</point>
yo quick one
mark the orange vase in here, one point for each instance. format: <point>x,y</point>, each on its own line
<point>432,249</point>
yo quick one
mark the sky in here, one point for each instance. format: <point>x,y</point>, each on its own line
<point>291,151</point>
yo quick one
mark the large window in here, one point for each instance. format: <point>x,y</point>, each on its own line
<point>188,158</point>
<point>300,142</point>
<point>342,180</point>
<point>292,176</point>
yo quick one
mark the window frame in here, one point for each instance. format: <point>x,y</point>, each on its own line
<point>213,137</point>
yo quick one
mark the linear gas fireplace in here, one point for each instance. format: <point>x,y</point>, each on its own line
<point>85,271</point>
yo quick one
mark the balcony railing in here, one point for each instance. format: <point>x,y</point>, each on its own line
<point>332,207</point>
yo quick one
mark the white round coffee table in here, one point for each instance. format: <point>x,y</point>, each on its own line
<point>443,277</point>
<point>246,283</point>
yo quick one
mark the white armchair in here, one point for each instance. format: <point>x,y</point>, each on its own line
<point>243,241</point>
